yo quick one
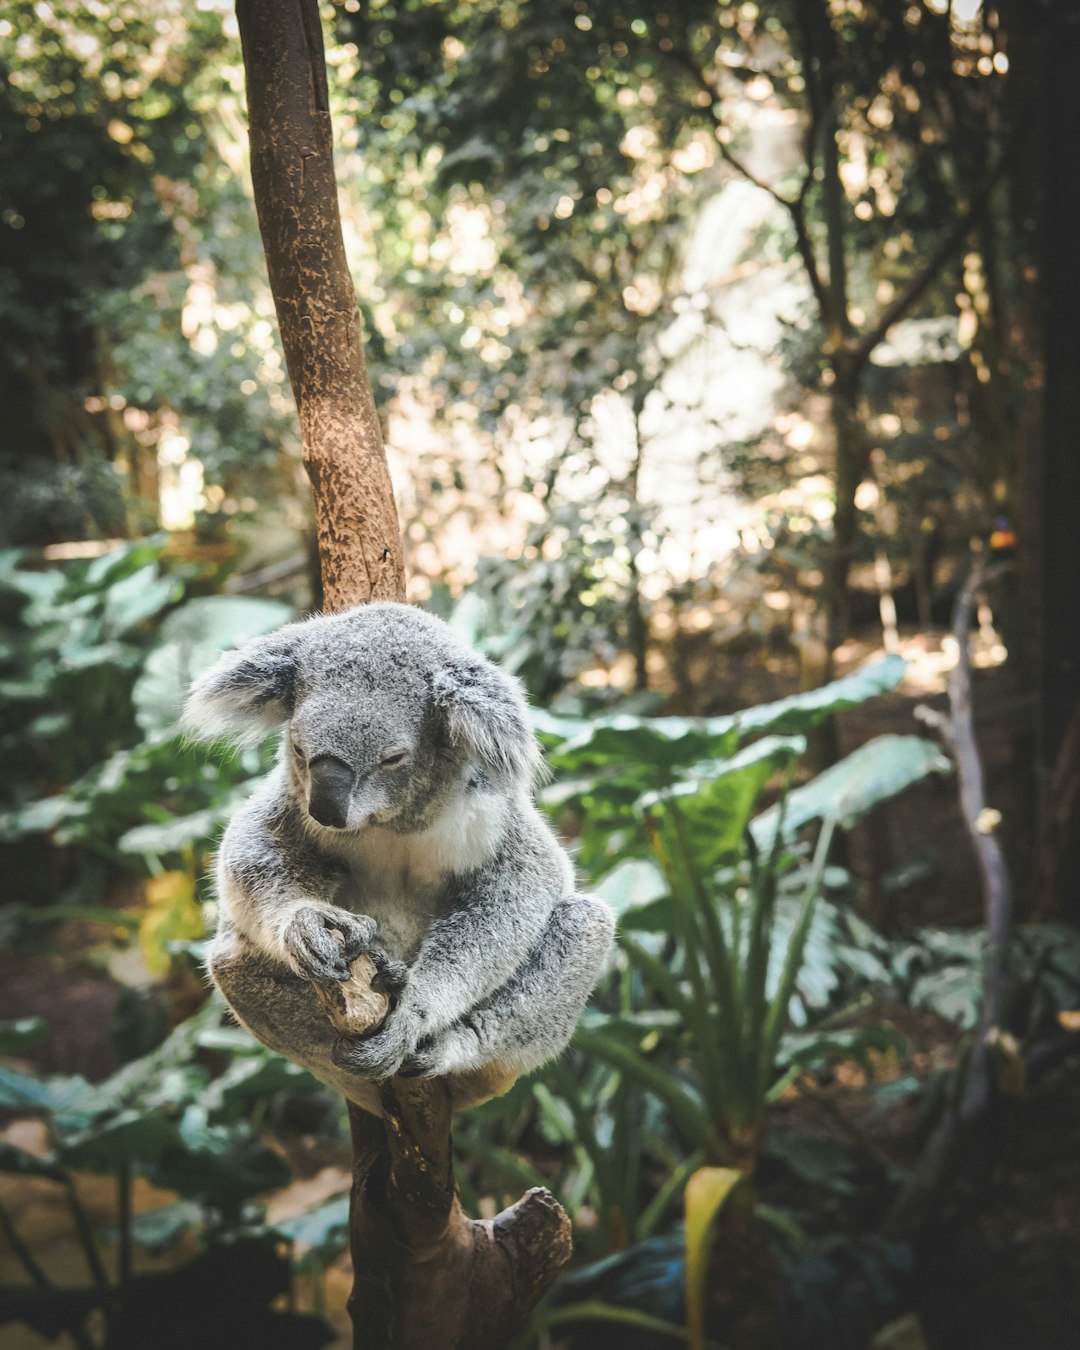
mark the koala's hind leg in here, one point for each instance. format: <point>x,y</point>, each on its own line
<point>281,1011</point>
<point>532,1017</point>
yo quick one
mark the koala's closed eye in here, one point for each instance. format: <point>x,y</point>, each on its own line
<point>393,759</point>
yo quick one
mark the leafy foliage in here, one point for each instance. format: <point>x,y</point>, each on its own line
<point>95,658</point>
<point>730,957</point>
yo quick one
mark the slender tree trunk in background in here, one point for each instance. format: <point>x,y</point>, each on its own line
<point>425,1274</point>
<point>819,58</point>
<point>915,1203</point>
<point>637,626</point>
<point>1059,476</point>
<point>848,474</point>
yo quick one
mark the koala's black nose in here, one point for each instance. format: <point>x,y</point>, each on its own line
<point>331,788</point>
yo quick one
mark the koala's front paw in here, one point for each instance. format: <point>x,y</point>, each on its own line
<point>457,1048</point>
<point>379,1056</point>
<point>428,1060</point>
<point>392,975</point>
<point>313,948</point>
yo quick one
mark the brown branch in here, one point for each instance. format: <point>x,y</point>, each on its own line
<point>424,1272</point>
<point>918,284</point>
<point>916,1201</point>
<point>795,206</point>
<point>823,106</point>
<point>996,884</point>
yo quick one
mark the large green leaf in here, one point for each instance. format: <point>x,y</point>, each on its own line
<point>809,709</point>
<point>135,598</point>
<point>663,742</point>
<point>131,1136</point>
<point>868,776</point>
<point>23,1093</point>
<point>680,1101</point>
<point>632,885</point>
<point>715,804</point>
<point>668,742</point>
<point>191,639</point>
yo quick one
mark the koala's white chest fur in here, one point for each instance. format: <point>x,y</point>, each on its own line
<point>403,881</point>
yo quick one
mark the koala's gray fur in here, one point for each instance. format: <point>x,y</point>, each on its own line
<point>416,756</point>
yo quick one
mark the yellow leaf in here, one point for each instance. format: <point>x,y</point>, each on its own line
<point>906,1333</point>
<point>1008,1060</point>
<point>1070,1020</point>
<point>706,1193</point>
<point>172,914</point>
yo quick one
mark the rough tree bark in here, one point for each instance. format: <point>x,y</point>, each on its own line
<point>425,1274</point>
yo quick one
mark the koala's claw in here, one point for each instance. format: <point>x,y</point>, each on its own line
<point>392,975</point>
<point>321,944</point>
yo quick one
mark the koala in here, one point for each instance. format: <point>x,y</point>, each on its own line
<point>399,815</point>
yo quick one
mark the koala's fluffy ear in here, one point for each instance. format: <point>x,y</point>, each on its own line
<point>246,693</point>
<point>486,715</point>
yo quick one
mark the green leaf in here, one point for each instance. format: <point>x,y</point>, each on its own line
<point>803,1048</point>
<point>501,1164</point>
<point>872,774</point>
<point>47,1095</point>
<point>21,1034</point>
<point>595,1310</point>
<point>20,1163</point>
<point>319,1232</point>
<point>181,833</point>
<point>232,1040</point>
<point>954,993</point>
<point>631,885</point>
<point>821,1162</point>
<point>157,1231</point>
<point>108,568</point>
<point>717,803</point>
<point>138,597</point>
<point>255,1077</point>
<point>130,1136</point>
<point>39,817</point>
<point>683,1107</point>
<point>191,640</point>
<point>809,709</point>
<point>667,742</point>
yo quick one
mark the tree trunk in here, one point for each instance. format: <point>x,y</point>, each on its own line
<point>425,1275</point>
<point>1059,474</point>
<point>292,171</point>
<point>850,463</point>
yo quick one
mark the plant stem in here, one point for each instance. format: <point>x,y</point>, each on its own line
<point>85,1232</point>
<point>22,1252</point>
<point>123,1219</point>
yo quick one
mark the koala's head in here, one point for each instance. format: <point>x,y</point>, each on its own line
<point>385,708</point>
